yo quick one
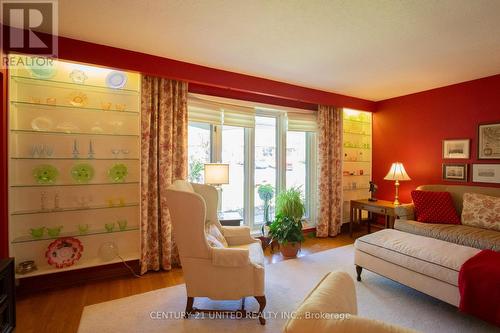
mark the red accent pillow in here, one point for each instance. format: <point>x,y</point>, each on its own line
<point>434,207</point>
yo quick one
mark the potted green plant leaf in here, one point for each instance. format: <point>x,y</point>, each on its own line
<point>286,228</point>
<point>266,194</point>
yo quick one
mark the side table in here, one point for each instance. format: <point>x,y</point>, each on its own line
<point>381,207</point>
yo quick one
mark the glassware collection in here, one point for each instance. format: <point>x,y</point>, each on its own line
<point>74,164</point>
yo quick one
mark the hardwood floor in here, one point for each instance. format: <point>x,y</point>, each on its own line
<point>60,310</point>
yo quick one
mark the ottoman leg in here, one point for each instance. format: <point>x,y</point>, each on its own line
<point>359,269</point>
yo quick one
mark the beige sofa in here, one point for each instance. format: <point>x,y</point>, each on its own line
<point>331,307</point>
<point>459,234</point>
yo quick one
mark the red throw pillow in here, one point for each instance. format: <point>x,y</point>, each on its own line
<point>434,207</point>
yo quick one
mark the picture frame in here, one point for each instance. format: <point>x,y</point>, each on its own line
<point>455,172</point>
<point>488,141</point>
<point>456,149</point>
<point>486,173</point>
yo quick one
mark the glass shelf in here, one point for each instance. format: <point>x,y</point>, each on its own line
<point>358,121</point>
<point>72,85</point>
<point>70,107</point>
<point>356,133</point>
<point>76,159</point>
<point>356,189</point>
<point>26,239</point>
<point>73,209</point>
<point>87,184</point>
<point>72,133</point>
<point>358,148</point>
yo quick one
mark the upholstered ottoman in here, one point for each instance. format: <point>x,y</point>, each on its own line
<point>426,264</point>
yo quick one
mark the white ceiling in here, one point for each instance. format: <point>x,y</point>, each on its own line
<point>373,49</point>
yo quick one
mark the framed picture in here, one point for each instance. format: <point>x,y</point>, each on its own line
<point>456,149</point>
<point>455,172</point>
<point>488,141</point>
<point>486,173</point>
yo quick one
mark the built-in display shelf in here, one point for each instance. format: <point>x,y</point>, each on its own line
<point>84,263</point>
<point>76,184</point>
<point>24,105</point>
<point>77,158</point>
<point>72,85</point>
<point>26,239</point>
<point>25,131</point>
<point>73,209</point>
<point>355,133</point>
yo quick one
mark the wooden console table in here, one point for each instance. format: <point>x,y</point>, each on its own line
<point>381,207</point>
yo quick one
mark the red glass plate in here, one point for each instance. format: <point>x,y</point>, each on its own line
<point>64,252</point>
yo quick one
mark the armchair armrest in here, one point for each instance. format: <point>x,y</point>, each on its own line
<point>405,211</point>
<point>230,257</point>
<point>237,235</point>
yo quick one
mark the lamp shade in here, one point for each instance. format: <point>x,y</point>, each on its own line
<point>216,173</point>
<point>397,172</point>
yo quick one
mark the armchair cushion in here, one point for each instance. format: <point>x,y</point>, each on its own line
<point>238,235</point>
<point>230,257</point>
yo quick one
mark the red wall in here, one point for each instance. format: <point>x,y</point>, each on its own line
<point>410,129</point>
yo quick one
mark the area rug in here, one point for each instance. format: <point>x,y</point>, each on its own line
<point>287,283</point>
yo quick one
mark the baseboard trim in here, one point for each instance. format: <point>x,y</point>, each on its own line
<point>70,278</point>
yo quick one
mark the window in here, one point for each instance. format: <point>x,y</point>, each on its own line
<point>199,150</point>
<point>265,168</point>
<point>263,156</point>
<point>233,152</point>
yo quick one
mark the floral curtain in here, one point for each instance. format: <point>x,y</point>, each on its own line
<point>164,159</point>
<point>330,173</point>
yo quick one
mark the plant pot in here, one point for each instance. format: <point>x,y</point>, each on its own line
<point>289,250</point>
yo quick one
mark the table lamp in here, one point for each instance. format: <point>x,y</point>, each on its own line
<point>397,173</point>
<point>217,174</point>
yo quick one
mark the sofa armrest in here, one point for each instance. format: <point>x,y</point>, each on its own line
<point>405,211</point>
<point>237,235</point>
<point>226,257</point>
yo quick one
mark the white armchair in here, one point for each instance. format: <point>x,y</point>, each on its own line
<point>220,273</point>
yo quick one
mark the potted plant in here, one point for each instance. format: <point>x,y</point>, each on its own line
<point>286,228</point>
<point>266,193</point>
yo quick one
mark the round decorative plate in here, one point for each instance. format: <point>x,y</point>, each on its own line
<point>78,76</point>
<point>45,70</point>
<point>82,173</point>
<point>45,174</point>
<point>118,172</point>
<point>116,80</point>
<point>67,127</point>
<point>64,252</point>
<point>78,98</point>
<point>42,124</point>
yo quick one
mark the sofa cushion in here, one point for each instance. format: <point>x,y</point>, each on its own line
<point>434,207</point>
<point>481,210</point>
<point>459,234</point>
<point>428,256</point>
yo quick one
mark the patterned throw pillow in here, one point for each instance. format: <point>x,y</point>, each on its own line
<point>213,242</point>
<point>434,207</point>
<point>481,211</point>
<point>212,230</point>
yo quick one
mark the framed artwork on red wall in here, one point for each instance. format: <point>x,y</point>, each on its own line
<point>488,141</point>
<point>455,172</point>
<point>456,149</point>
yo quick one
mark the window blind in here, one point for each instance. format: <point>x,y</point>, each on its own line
<point>238,116</point>
<point>203,111</point>
<point>302,122</point>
